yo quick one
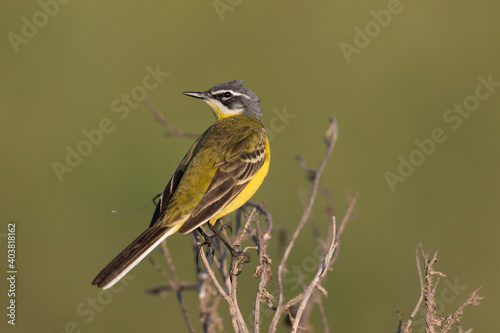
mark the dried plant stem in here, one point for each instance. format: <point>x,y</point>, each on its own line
<point>320,275</point>
<point>243,230</point>
<point>434,323</point>
<point>429,290</point>
<point>330,140</point>
<point>229,298</point>
<point>472,300</point>
<point>324,317</point>
<point>174,283</point>
<point>209,299</point>
<point>343,223</point>
<point>263,272</point>
<point>171,129</point>
<point>415,310</point>
<point>258,298</point>
<point>269,219</point>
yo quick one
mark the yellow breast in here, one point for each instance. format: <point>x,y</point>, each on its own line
<point>252,187</point>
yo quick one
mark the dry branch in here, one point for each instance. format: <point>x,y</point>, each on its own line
<point>298,307</point>
<point>173,283</point>
<point>330,141</point>
<point>434,323</point>
<point>171,129</point>
<point>317,279</point>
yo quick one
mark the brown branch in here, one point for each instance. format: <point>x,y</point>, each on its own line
<point>347,216</point>
<point>171,129</point>
<point>317,234</point>
<point>473,300</point>
<point>232,302</point>
<point>332,137</point>
<point>320,275</point>
<point>431,320</point>
<point>316,298</point>
<point>427,293</point>
<point>267,214</point>
<point>221,265</point>
<point>160,290</point>
<point>174,284</point>
<point>208,306</point>
<point>293,301</point>
<point>263,273</point>
<point>343,224</point>
<point>160,270</point>
<point>406,327</point>
<point>243,230</point>
<point>323,315</point>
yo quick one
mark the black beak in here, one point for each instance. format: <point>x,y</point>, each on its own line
<point>195,94</point>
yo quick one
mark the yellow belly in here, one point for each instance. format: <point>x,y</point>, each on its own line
<point>249,190</point>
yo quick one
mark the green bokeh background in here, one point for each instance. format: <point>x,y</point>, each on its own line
<point>396,90</point>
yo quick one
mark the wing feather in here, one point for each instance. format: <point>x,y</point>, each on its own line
<point>240,164</point>
<point>172,185</point>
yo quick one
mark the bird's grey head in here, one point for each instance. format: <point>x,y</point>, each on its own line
<point>230,98</point>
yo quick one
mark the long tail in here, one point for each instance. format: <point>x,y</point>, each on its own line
<point>132,255</point>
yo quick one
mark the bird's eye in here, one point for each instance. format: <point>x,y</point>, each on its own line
<point>227,94</point>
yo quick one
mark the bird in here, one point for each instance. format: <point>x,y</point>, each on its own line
<point>219,173</point>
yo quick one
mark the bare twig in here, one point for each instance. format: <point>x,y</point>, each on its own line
<point>427,293</point>
<point>263,272</point>
<point>347,216</point>
<point>174,282</point>
<point>221,265</point>
<point>243,230</point>
<point>233,306</point>
<point>324,317</point>
<point>160,270</point>
<point>317,279</point>
<point>406,327</point>
<point>343,224</point>
<point>317,234</point>
<point>176,287</point>
<point>310,172</point>
<point>431,319</point>
<point>269,219</point>
<point>473,300</point>
<point>209,299</point>
<point>171,129</point>
<point>160,290</point>
<point>332,131</point>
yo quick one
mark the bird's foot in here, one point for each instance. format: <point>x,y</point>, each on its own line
<point>209,241</point>
<point>238,258</point>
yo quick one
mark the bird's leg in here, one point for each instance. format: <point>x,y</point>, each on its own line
<point>208,241</point>
<point>238,258</point>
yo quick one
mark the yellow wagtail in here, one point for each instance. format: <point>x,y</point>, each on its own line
<point>220,172</point>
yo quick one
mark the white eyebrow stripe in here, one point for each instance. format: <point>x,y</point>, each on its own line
<point>231,91</point>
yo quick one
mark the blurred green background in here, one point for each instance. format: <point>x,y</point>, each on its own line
<point>61,78</point>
